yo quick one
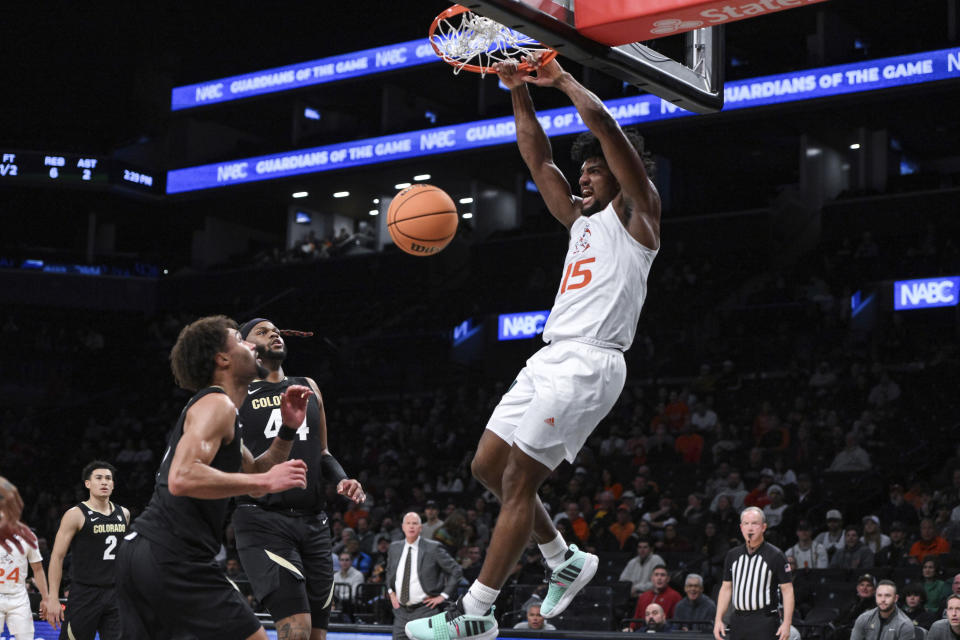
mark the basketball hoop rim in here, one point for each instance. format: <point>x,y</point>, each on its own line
<point>456,10</point>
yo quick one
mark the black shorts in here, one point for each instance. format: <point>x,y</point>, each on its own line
<point>165,597</point>
<point>288,560</point>
<point>91,609</point>
<point>754,626</point>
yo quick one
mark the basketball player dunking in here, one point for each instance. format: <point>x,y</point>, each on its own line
<point>168,582</point>
<point>568,386</point>
<point>92,530</point>
<point>284,538</point>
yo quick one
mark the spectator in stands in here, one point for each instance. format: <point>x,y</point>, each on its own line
<point>873,537</point>
<point>432,523</point>
<point>660,593</point>
<point>349,576</point>
<point>808,500</point>
<point>381,549</point>
<point>898,509</point>
<point>937,590</point>
<point>451,534</point>
<point>622,531</point>
<point>689,446</point>
<point>696,513</point>
<point>853,554</point>
<point>346,534</point>
<point>534,621</point>
<point>639,570</point>
<point>703,418</point>
<point>655,620</point>
<point>929,544</point>
<point>676,413</point>
<point>578,524</point>
<point>696,607</point>
<point>471,563</point>
<point>611,484</point>
<point>833,538</point>
<point>758,497</point>
<point>233,570</point>
<point>713,547</point>
<point>852,458</point>
<point>948,628</point>
<point>778,513</point>
<point>808,553</point>
<point>672,541</point>
<point>734,491</point>
<point>866,591</point>
<point>896,553</point>
<point>642,493</point>
<point>886,619</point>
<point>365,536</point>
<point>914,599</point>
<point>362,561</point>
<point>726,518</point>
<point>956,584</point>
<point>884,393</point>
<point>665,515</point>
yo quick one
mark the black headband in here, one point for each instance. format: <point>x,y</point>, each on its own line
<point>248,326</point>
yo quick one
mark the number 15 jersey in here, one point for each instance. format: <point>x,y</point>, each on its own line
<point>604,284</point>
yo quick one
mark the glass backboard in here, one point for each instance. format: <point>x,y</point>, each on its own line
<point>694,84</point>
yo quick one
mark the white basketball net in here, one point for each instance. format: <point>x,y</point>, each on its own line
<point>482,42</point>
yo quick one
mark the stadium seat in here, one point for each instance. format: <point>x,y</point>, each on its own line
<point>821,615</point>
<point>835,594</point>
<point>906,575</point>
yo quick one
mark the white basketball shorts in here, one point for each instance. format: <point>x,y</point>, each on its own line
<point>15,611</point>
<point>558,399</point>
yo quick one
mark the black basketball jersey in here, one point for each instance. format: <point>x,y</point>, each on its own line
<point>189,527</point>
<point>94,546</point>
<point>260,417</point>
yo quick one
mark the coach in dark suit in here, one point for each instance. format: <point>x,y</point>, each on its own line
<point>420,575</point>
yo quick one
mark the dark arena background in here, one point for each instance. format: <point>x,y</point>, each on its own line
<point>165,161</point>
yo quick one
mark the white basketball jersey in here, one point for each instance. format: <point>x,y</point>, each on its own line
<point>604,283</point>
<point>13,567</point>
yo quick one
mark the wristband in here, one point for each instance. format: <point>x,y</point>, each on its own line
<point>286,433</point>
<point>331,468</point>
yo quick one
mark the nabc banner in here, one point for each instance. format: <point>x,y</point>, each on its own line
<point>303,74</point>
<point>924,293</point>
<point>788,87</point>
<point>517,326</point>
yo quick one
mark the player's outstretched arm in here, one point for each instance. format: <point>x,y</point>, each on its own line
<point>293,410</point>
<point>208,423</point>
<point>622,159</point>
<point>346,486</point>
<point>536,150</point>
<point>70,523</point>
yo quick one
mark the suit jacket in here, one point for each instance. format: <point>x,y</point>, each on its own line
<point>437,571</point>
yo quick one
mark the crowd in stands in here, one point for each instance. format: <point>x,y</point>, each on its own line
<point>844,440</point>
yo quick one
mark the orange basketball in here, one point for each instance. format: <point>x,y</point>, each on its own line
<point>422,219</point>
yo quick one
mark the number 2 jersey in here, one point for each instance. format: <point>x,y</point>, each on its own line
<point>261,420</point>
<point>13,568</point>
<point>604,284</point>
<point>94,548</point>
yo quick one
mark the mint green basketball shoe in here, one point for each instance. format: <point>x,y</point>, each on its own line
<point>567,580</point>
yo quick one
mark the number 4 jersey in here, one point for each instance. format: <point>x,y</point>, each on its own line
<point>261,421</point>
<point>604,284</point>
<point>94,547</point>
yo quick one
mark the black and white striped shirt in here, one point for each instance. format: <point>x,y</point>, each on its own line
<point>756,577</point>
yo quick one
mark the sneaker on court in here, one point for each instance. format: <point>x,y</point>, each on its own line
<point>566,581</point>
<point>453,624</point>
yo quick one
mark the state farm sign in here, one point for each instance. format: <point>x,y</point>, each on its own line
<point>616,22</point>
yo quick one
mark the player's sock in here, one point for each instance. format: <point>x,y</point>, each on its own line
<point>554,551</point>
<point>479,599</point>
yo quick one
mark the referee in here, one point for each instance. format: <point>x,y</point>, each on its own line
<point>752,573</point>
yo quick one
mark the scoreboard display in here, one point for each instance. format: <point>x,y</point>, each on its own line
<point>35,167</point>
<point>75,171</point>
